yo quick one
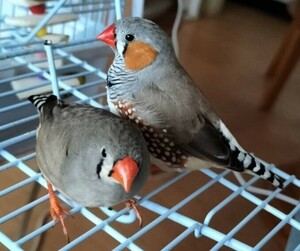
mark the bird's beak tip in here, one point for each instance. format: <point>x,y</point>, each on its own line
<point>108,36</point>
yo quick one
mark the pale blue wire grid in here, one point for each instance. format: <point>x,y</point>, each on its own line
<point>81,31</point>
<point>191,226</point>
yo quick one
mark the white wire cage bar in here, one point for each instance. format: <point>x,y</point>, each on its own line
<point>88,17</point>
<point>179,222</point>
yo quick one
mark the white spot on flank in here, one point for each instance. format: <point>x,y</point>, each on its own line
<point>166,140</point>
<point>129,111</point>
<point>164,130</point>
<point>171,143</point>
<point>167,153</point>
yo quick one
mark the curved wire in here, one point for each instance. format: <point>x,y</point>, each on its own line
<point>175,27</point>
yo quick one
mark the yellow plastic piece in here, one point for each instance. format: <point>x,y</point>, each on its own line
<point>41,32</point>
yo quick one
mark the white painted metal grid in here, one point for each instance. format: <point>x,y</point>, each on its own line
<point>18,122</point>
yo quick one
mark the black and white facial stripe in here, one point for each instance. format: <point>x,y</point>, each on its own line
<point>100,163</point>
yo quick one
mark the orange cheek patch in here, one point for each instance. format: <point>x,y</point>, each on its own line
<point>138,55</point>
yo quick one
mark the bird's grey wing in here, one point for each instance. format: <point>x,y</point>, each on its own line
<point>52,151</point>
<point>191,132</point>
<point>56,142</point>
<point>207,143</point>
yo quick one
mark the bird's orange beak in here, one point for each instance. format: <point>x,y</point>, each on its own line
<point>125,171</point>
<point>108,36</point>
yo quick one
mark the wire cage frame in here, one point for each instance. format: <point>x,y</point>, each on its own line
<point>177,222</point>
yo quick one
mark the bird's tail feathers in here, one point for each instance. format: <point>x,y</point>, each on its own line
<point>42,100</point>
<point>242,161</point>
<point>254,166</point>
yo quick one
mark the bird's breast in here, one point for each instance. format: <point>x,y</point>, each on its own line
<point>112,107</point>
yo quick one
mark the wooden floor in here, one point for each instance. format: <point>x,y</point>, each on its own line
<point>227,57</point>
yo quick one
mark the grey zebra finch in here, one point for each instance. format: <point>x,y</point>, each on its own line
<point>147,85</point>
<point>90,155</point>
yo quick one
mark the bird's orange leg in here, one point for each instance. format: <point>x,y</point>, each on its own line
<point>57,212</point>
<point>131,203</point>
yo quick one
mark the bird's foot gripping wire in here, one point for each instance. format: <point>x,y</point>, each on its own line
<point>132,204</point>
<point>57,212</point>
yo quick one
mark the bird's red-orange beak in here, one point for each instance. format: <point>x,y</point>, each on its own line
<point>125,171</point>
<point>108,36</point>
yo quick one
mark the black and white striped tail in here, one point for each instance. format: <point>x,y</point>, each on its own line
<point>245,162</point>
<point>40,100</point>
<point>254,166</point>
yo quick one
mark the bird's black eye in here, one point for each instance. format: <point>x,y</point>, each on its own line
<point>103,153</point>
<point>129,37</point>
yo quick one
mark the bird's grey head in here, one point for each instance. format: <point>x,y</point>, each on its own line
<point>137,43</point>
<point>131,29</point>
<point>142,49</point>
<point>121,157</point>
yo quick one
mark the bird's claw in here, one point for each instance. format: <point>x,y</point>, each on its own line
<point>57,212</point>
<point>132,204</point>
